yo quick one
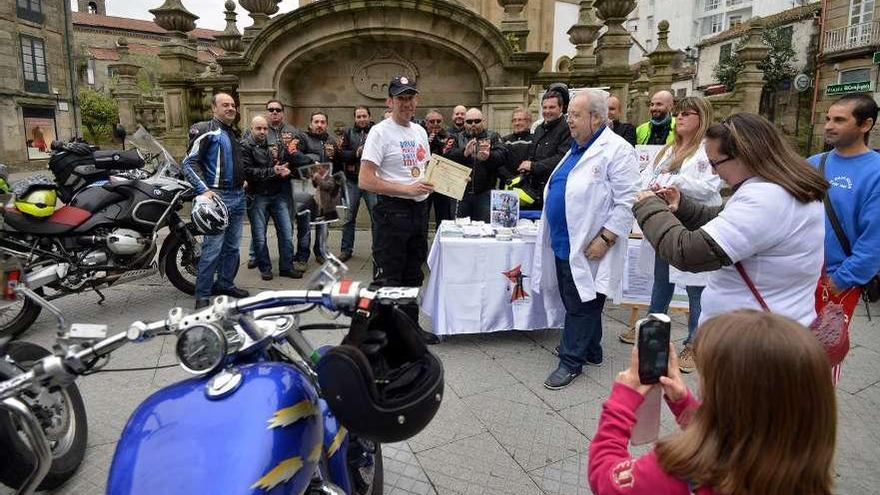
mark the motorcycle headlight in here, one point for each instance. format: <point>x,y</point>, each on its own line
<point>201,349</point>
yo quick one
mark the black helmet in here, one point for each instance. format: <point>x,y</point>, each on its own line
<point>382,382</point>
<point>562,90</point>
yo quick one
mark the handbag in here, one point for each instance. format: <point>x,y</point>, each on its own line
<point>831,326</point>
<point>871,290</point>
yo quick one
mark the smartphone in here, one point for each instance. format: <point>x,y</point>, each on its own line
<point>654,335</point>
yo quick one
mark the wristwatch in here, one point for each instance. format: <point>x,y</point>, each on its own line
<point>605,238</point>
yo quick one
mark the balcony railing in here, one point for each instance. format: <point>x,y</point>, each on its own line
<point>862,35</point>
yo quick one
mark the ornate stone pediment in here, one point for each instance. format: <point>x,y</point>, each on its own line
<point>371,77</point>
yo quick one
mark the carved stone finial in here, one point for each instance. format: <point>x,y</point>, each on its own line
<point>259,10</point>
<point>230,39</point>
<point>173,17</point>
<point>582,35</point>
<point>514,25</point>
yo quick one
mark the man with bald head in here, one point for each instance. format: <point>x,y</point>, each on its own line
<point>458,116</point>
<point>266,177</point>
<point>479,149</point>
<point>661,128</point>
<point>213,166</point>
<point>625,130</point>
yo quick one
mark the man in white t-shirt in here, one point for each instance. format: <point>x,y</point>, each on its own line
<point>393,166</point>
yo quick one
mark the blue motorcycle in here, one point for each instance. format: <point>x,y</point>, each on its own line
<point>265,412</point>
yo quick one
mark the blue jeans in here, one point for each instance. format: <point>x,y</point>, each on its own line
<point>275,206</point>
<point>582,331</point>
<point>304,237</point>
<point>476,206</point>
<point>220,252</point>
<point>355,194</point>
<point>661,296</point>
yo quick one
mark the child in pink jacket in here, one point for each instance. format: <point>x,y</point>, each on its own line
<point>766,425</point>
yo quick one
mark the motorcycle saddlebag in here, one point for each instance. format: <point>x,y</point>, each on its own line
<point>73,172</point>
<point>118,160</point>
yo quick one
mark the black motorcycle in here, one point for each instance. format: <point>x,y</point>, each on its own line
<point>107,232</point>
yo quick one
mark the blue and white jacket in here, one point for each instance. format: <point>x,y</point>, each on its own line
<point>214,157</point>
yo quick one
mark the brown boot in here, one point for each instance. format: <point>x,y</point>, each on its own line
<point>628,336</point>
<point>686,360</point>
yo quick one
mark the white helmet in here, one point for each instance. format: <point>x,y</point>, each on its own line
<point>209,216</point>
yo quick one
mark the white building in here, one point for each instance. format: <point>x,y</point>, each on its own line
<point>692,21</point>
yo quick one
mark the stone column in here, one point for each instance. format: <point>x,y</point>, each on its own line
<point>640,111</point>
<point>179,65</point>
<point>582,36</point>
<point>259,11</point>
<point>230,39</point>
<point>252,102</point>
<point>750,81</point>
<point>514,26</point>
<point>612,51</point>
<point>661,60</point>
<point>500,103</point>
<point>126,92</point>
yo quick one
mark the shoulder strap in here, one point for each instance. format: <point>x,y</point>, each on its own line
<point>832,216</point>
<point>751,285</point>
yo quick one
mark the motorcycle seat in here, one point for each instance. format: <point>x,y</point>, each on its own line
<point>62,221</point>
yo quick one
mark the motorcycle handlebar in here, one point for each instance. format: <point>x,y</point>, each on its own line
<point>342,296</point>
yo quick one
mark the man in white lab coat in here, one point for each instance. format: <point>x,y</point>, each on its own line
<point>582,236</point>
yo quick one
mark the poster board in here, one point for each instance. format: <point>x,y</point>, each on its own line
<point>646,154</point>
<point>637,285</point>
<point>505,209</point>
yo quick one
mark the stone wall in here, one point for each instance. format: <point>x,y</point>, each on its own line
<point>13,97</point>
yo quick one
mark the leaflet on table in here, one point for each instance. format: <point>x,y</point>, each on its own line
<point>504,209</point>
<point>449,178</point>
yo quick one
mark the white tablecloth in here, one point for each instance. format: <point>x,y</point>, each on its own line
<point>468,291</point>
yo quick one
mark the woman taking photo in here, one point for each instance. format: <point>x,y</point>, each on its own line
<point>682,164</point>
<point>782,443</point>
<point>772,227</point>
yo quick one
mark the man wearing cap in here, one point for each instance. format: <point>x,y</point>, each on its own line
<point>393,166</point>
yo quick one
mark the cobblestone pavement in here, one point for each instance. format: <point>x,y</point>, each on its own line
<point>498,431</point>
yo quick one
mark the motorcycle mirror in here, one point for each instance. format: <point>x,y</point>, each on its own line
<point>120,133</point>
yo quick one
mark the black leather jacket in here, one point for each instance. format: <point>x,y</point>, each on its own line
<point>549,144</point>
<point>259,168</point>
<point>516,149</point>
<point>485,174</point>
<point>313,147</point>
<point>354,138</point>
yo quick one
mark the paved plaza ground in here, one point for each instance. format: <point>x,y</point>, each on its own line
<point>498,431</point>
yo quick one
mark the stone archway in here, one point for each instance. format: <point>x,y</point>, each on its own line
<point>335,54</point>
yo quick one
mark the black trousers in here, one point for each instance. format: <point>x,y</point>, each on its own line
<point>401,242</point>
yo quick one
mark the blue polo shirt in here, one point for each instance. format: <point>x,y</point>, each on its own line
<point>555,200</point>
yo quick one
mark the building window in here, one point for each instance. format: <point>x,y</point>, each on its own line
<point>733,3</point>
<point>735,20</point>
<point>681,93</point>
<point>724,52</point>
<point>712,5</point>
<point>30,10</point>
<point>854,75</point>
<point>33,61</point>
<point>39,131</point>
<point>861,11</point>
<point>712,24</point>
<point>93,8</point>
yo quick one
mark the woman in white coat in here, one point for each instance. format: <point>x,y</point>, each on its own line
<point>587,204</point>
<point>682,164</point>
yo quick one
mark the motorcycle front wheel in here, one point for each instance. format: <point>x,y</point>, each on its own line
<point>63,415</point>
<point>17,316</point>
<point>181,265</point>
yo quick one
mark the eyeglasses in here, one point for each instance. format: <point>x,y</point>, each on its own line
<point>473,121</point>
<point>275,110</point>
<point>435,121</point>
<point>685,113</point>
<point>719,162</point>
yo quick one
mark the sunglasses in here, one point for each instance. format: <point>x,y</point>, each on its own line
<point>719,162</point>
<point>275,110</point>
<point>435,121</point>
<point>473,121</point>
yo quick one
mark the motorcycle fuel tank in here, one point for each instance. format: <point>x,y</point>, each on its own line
<point>263,438</point>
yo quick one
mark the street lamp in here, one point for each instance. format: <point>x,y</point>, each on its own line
<point>55,113</point>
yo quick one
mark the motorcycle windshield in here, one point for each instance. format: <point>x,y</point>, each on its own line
<point>159,162</point>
